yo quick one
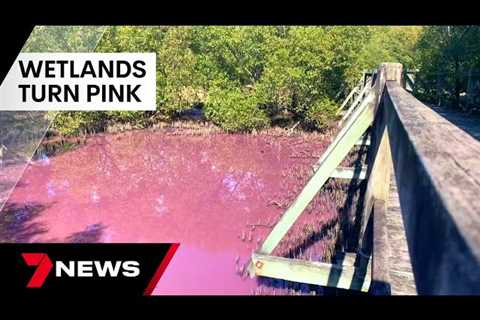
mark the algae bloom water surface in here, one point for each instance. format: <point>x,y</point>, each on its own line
<point>217,195</point>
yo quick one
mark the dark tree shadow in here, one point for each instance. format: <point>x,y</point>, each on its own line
<point>6,185</point>
<point>311,239</point>
<point>91,234</point>
<point>16,222</point>
<point>195,113</point>
<point>352,209</point>
<point>350,227</point>
<point>347,241</point>
<point>304,288</point>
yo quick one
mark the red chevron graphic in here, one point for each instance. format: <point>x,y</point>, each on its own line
<point>44,266</point>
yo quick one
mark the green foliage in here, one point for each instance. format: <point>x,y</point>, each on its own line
<point>234,110</point>
<point>391,44</point>
<point>347,44</point>
<point>75,123</point>
<point>236,53</point>
<point>306,68</point>
<point>293,78</point>
<point>446,55</point>
<point>322,113</point>
<point>176,86</point>
<point>246,77</point>
<point>63,39</point>
<point>68,39</point>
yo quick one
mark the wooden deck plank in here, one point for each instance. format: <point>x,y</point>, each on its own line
<point>399,263</point>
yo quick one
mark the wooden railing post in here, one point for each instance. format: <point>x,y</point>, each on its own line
<point>379,160</point>
<point>393,72</point>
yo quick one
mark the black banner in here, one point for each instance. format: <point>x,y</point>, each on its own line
<point>12,43</point>
<point>83,269</point>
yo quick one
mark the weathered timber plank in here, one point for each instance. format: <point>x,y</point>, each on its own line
<point>381,282</point>
<point>379,179</point>
<point>399,262</point>
<point>403,283</point>
<point>317,273</point>
<point>437,170</point>
<point>379,158</point>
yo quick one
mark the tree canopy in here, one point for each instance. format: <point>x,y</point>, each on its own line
<point>250,77</point>
<point>446,58</point>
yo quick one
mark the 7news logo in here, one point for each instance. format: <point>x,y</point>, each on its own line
<point>77,269</point>
<point>100,269</point>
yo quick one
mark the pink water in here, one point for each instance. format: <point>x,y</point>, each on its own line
<point>216,195</point>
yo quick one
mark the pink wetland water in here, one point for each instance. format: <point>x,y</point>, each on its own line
<point>218,195</point>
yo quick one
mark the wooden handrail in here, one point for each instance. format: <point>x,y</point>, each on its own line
<point>423,189</point>
<point>437,171</point>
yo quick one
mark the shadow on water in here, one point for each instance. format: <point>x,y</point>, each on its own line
<point>279,285</point>
<point>304,288</point>
<point>350,227</point>
<point>349,222</point>
<point>352,209</point>
<point>91,234</point>
<point>16,223</point>
<point>312,239</point>
<point>6,185</point>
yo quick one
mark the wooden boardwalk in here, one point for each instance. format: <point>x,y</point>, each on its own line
<point>392,261</point>
<point>420,207</point>
<point>436,165</point>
